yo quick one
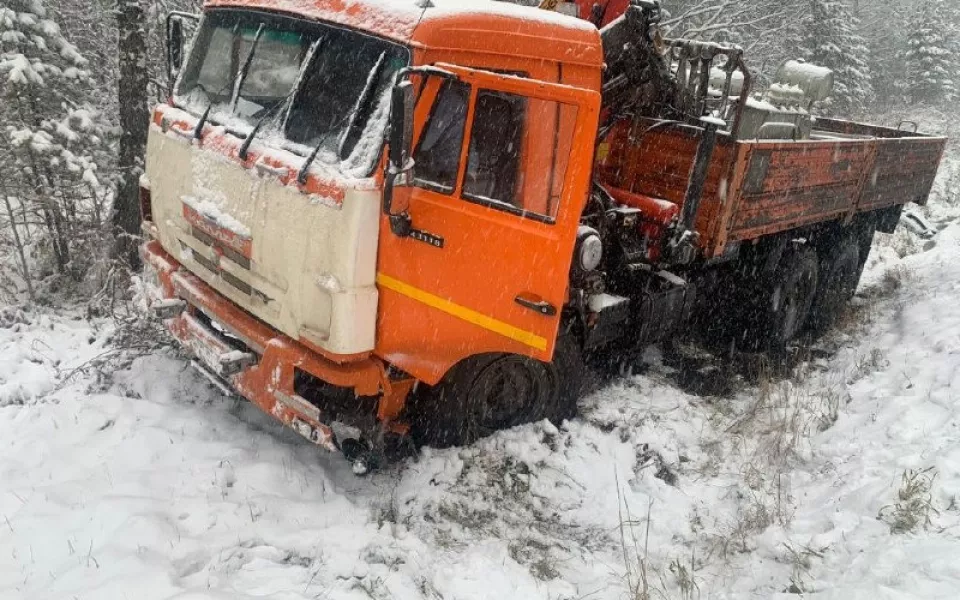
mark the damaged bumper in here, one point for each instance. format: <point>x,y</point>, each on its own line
<point>256,361</point>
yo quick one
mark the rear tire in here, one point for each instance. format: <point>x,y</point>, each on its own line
<point>841,269</point>
<point>795,287</point>
<point>781,303</point>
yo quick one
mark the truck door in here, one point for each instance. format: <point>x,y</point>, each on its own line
<point>501,175</point>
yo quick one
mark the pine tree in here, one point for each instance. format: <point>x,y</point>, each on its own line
<point>931,61</point>
<point>52,143</point>
<point>832,40</point>
<point>887,39</point>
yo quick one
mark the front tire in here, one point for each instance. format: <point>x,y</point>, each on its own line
<point>481,395</point>
<point>569,366</point>
<point>487,393</point>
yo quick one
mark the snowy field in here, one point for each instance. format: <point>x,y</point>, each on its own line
<point>693,479</point>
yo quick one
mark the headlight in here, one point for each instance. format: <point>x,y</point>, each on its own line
<point>589,249</point>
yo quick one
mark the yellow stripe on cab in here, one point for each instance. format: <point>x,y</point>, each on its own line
<point>461,312</point>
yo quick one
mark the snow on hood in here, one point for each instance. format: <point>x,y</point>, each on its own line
<point>342,176</point>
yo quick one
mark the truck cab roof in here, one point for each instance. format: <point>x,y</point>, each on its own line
<point>456,25</point>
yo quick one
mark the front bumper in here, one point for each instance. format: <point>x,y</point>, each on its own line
<point>267,378</point>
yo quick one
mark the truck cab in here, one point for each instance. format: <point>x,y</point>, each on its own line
<point>274,257</point>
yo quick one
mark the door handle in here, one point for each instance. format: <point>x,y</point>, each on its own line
<point>541,306</point>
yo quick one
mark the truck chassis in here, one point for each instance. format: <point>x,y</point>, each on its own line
<point>688,209</point>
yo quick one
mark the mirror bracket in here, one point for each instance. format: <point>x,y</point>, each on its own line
<point>400,139</point>
<point>401,225</point>
<point>399,161</point>
<point>176,42</point>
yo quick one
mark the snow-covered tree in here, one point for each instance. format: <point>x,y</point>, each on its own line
<point>931,62</point>
<point>766,29</point>
<point>52,145</point>
<point>831,39</point>
<point>886,39</point>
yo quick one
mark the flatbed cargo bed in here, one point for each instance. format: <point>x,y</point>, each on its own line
<point>759,187</point>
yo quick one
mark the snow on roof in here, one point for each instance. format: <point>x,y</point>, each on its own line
<point>506,9</point>
<point>391,18</point>
<point>506,28</point>
<point>398,19</point>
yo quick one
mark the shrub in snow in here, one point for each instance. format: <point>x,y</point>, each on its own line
<point>914,505</point>
<point>52,145</point>
<point>831,39</point>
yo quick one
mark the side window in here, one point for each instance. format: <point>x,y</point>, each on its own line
<point>493,161</point>
<point>437,156</point>
<point>518,153</point>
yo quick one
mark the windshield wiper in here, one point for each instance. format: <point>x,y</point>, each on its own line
<point>245,146</point>
<point>363,101</point>
<point>311,52</point>
<point>244,69</point>
<point>351,117</point>
<point>305,167</point>
<point>198,130</point>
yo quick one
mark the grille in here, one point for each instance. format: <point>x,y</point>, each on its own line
<point>227,277</point>
<point>233,255</point>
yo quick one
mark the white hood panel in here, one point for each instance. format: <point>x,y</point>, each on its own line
<point>313,263</point>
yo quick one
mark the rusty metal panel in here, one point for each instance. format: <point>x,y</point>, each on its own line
<point>714,240</point>
<point>903,171</point>
<point>658,163</point>
<point>757,188</point>
<point>789,184</point>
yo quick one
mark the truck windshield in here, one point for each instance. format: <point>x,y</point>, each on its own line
<point>307,83</point>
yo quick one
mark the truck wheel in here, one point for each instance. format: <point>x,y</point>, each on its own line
<point>484,394</point>
<point>791,293</point>
<point>840,275</point>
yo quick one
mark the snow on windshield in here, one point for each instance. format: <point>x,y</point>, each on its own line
<point>304,84</point>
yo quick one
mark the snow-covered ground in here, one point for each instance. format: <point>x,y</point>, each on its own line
<point>694,479</point>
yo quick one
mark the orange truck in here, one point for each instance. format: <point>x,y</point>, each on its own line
<point>378,218</point>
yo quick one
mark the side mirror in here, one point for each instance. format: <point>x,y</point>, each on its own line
<point>177,22</point>
<point>175,46</point>
<point>400,140</point>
